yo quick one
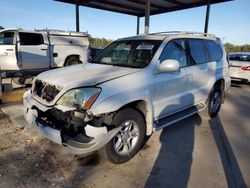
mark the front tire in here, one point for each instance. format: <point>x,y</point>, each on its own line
<point>213,103</point>
<point>128,141</point>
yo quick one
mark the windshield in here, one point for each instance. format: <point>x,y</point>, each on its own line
<point>129,53</point>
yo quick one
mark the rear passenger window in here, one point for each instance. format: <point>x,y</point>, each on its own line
<point>214,50</point>
<point>176,50</point>
<point>197,51</point>
<point>30,39</point>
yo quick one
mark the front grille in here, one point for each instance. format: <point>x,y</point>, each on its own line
<point>45,90</point>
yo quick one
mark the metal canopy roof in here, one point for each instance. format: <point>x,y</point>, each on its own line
<point>137,7</point>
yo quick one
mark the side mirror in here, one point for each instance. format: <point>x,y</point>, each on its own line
<point>169,65</point>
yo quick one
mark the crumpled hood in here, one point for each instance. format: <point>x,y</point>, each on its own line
<point>84,75</point>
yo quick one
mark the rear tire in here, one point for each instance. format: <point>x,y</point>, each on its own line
<point>213,103</point>
<point>129,140</point>
<point>72,61</point>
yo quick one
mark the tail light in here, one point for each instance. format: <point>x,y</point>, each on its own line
<point>245,68</point>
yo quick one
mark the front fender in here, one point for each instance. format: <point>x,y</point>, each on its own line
<point>116,102</point>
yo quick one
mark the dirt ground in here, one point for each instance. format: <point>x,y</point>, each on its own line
<point>23,163</point>
<point>28,160</point>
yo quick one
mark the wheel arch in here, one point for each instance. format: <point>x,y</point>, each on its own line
<point>146,110</point>
<point>221,84</point>
<point>70,56</point>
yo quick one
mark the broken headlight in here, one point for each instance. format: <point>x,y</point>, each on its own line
<point>79,98</point>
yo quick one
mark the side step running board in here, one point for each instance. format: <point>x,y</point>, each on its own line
<point>179,116</point>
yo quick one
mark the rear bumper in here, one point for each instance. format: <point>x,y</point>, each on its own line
<point>240,75</point>
<point>101,136</point>
<point>236,72</point>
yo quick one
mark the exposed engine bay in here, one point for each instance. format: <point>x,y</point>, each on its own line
<point>72,124</point>
<point>78,129</point>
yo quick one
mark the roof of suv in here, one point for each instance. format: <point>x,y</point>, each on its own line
<point>164,35</point>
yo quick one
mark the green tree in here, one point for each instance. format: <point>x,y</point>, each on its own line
<point>98,42</point>
<point>235,48</point>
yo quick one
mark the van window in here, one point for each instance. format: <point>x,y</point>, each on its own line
<point>214,50</point>
<point>30,39</point>
<point>7,38</point>
<point>197,51</point>
<point>175,49</point>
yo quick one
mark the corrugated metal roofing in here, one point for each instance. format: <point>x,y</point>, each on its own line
<point>137,7</point>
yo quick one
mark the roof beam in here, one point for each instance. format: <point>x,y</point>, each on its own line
<point>118,4</point>
<point>152,4</point>
<point>187,6</point>
<point>175,2</point>
<point>119,10</point>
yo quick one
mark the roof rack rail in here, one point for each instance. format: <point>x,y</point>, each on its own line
<point>183,33</point>
<point>61,31</point>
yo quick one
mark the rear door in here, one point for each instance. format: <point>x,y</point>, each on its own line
<point>172,90</point>
<point>8,56</point>
<point>203,66</point>
<point>33,52</point>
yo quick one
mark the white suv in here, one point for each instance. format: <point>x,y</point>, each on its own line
<point>133,87</point>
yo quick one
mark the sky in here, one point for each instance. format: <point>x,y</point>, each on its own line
<point>230,21</point>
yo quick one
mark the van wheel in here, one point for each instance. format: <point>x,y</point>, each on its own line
<point>72,61</point>
<point>213,103</point>
<point>128,141</point>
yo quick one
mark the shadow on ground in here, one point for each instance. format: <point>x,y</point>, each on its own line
<point>173,164</point>
<point>229,162</point>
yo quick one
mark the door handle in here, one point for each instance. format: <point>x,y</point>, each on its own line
<point>44,49</point>
<point>9,50</point>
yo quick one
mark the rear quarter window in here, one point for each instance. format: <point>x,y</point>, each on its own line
<point>214,50</point>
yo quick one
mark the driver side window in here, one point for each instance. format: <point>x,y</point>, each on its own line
<point>175,49</point>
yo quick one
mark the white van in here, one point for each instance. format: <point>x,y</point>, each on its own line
<point>25,53</point>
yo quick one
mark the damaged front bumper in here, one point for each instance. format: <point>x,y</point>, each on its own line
<point>90,138</point>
